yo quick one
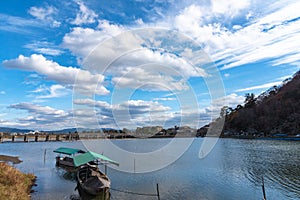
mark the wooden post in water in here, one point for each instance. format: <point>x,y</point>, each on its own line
<point>47,138</point>
<point>134,165</point>
<point>157,190</point>
<point>263,188</point>
<point>25,138</point>
<point>45,151</point>
<point>57,137</point>
<point>12,138</point>
<point>36,138</point>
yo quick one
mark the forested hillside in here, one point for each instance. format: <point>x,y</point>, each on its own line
<point>275,111</point>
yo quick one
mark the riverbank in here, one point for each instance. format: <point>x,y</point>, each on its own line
<point>15,185</point>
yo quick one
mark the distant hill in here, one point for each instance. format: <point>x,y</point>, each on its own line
<point>72,130</point>
<point>13,130</point>
<point>62,131</point>
<point>275,111</point>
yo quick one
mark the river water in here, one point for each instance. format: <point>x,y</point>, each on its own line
<point>233,170</point>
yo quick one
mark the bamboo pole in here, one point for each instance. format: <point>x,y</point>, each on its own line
<point>263,188</point>
<point>157,190</point>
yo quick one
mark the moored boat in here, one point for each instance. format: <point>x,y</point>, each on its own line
<point>91,182</point>
<point>66,160</point>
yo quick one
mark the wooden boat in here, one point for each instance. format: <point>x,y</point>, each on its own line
<point>66,160</point>
<point>91,182</point>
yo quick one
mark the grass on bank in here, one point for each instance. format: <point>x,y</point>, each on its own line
<point>15,185</point>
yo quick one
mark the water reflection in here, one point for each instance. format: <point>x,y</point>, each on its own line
<point>279,167</point>
<point>233,170</point>
<point>65,174</point>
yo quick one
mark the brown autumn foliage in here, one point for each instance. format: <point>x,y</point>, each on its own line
<point>14,185</point>
<point>275,111</point>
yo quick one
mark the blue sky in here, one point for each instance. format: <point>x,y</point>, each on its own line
<point>125,64</point>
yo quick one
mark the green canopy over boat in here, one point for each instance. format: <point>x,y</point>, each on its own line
<point>91,156</point>
<point>68,151</point>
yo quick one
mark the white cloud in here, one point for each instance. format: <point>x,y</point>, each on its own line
<point>85,15</point>
<point>45,48</point>
<point>228,7</point>
<point>278,43</point>
<point>131,113</point>
<point>54,91</point>
<point>109,29</point>
<point>2,92</point>
<point>39,110</point>
<point>41,117</point>
<point>139,21</point>
<point>273,34</point>
<point>81,41</point>
<point>17,24</point>
<point>41,13</point>
<point>7,123</point>
<point>231,100</point>
<point>293,59</point>
<point>164,99</point>
<point>129,59</point>
<point>190,19</point>
<point>83,80</point>
<point>263,86</point>
<point>45,14</point>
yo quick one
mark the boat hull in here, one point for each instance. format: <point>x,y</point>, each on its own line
<point>92,183</point>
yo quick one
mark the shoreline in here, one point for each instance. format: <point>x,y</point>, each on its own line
<point>15,184</point>
<point>15,160</point>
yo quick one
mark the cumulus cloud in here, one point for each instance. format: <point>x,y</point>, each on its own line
<point>133,113</point>
<point>190,19</point>
<point>130,113</point>
<point>42,117</point>
<point>133,58</point>
<point>86,83</point>
<point>81,41</point>
<point>231,100</point>
<point>39,110</point>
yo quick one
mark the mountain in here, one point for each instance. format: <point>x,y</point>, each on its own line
<point>62,131</point>
<point>276,111</point>
<point>13,130</point>
<point>79,130</point>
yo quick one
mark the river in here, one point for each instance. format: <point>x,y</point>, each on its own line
<point>233,170</point>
